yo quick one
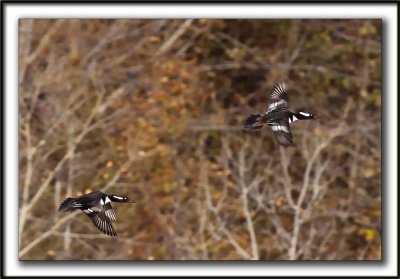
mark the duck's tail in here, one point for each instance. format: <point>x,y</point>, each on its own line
<point>251,122</point>
<point>68,205</point>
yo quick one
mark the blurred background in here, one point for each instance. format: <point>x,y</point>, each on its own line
<point>153,109</point>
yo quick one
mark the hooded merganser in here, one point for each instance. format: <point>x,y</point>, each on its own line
<point>277,116</point>
<point>96,205</point>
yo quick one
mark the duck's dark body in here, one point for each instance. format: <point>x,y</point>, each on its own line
<point>97,206</point>
<point>274,117</point>
<point>278,117</point>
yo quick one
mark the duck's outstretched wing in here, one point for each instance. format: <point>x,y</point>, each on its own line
<point>101,220</point>
<point>278,99</point>
<point>282,133</point>
<point>109,211</point>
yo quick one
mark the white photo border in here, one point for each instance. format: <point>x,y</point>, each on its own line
<point>12,12</point>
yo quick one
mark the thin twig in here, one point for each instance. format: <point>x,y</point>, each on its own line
<point>168,44</point>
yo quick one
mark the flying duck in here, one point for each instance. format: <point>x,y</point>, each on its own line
<point>277,116</point>
<point>97,206</point>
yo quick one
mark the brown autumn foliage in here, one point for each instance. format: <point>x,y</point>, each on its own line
<point>153,109</point>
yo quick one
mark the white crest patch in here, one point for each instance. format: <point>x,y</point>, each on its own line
<point>117,197</point>
<point>304,113</point>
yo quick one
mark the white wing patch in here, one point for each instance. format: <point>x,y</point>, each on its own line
<point>280,128</point>
<point>111,214</point>
<point>87,211</point>
<point>107,200</point>
<point>75,204</point>
<point>273,105</point>
<point>104,226</point>
<point>117,197</point>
